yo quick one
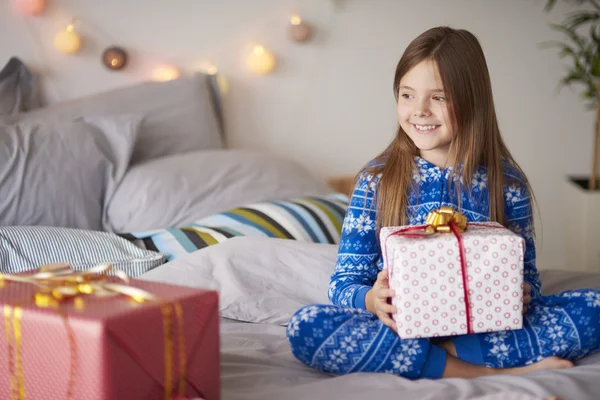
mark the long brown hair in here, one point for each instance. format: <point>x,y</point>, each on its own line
<point>477,140</point>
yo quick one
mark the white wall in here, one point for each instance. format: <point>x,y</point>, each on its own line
<point>330,103</point>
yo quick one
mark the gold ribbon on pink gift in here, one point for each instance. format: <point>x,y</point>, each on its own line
<point>57,283</point>
<point>444,220</point>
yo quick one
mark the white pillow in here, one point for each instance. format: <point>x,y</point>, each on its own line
<point>262,280</point>
<point>177,190</point>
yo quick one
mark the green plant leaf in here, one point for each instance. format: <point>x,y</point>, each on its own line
<point>550,5</point>
<point>586,94</point>
<point>567,51</point>
<point>594,35</point>
<point>574,20</point>
<point>571,78</point>
<point>582,50</point>
<point>579,66</point>
<point>588,59</point>
<point>570,33</point>
<point>595,3</point>
<point>564,49</point>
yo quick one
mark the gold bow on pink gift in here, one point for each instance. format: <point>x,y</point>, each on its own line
<point>440,220</point>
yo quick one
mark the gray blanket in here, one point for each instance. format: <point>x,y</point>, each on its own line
<point>263,281</point>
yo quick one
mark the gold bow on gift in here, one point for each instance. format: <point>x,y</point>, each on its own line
<point>58,282</point>
<point>440,220</point>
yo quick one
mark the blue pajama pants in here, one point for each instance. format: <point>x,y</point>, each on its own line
<point>342,340</point>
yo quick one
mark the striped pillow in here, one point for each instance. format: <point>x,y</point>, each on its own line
<point>310,219</point>
<point>25,248</point>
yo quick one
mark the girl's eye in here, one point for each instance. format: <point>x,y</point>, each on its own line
<point>439,98</point>
<point>407,96</point>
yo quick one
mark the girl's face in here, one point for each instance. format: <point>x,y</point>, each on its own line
<point>423,112</point>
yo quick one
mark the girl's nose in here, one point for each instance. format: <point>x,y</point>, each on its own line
<point>421,109</point>
<point>421,112</point>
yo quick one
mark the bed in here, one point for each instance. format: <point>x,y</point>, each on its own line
<point>141,177</point>
<point>263,281</point>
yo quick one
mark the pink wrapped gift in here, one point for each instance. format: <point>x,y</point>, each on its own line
<point>74,336</point>
<point>453,282</point>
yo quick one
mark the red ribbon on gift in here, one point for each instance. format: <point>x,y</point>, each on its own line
<point>443,220</point>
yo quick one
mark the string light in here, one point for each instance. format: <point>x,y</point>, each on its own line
<point>30,7</point>
<point>211,70</point>
<point>299,31</point>
<point>114,58</point>
<point>261,61</point>
<point>68,41</point>
<point>165,73</point>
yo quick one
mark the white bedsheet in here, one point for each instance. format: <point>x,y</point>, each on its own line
<point>264,281</point>
<point>256,363</point>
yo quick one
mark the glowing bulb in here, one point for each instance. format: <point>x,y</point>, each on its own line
<point>164,73</point>
<point>211,70</point>
<point>206,67</point>
<point>114,58</point>
<point>67,41</point>
<point>261,61</point>
<point>30,7</point>
<point>299,30</point>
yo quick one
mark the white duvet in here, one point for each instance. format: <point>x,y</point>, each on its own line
<point>263,281</point>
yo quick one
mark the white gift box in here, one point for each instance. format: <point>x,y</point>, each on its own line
<point>426,274</point>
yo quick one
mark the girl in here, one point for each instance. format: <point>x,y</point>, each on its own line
<point>448,151</point>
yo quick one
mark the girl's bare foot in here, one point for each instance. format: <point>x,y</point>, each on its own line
<point>456,368</point>
<point>546,363</point>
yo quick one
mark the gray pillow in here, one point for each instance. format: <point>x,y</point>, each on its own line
<point>61,173</point>
<point>179,116</point>
<point>25,248</point>
<point>19,88</point>
<point>177,190</point>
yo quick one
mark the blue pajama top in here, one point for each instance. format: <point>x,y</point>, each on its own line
<point>359,256</point>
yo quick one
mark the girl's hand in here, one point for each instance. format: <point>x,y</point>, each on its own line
<point>377,300</point>
<point>526,296</point>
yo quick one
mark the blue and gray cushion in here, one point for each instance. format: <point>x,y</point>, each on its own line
<point>312,219</point>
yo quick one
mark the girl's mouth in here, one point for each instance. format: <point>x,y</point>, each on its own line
<point>425,128</point>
